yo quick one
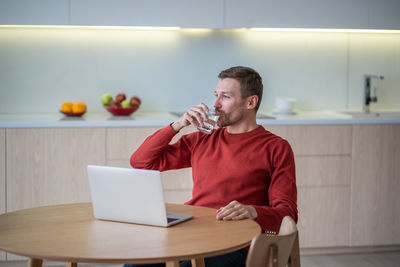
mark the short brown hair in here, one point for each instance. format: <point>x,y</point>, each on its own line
<point>249,79</point>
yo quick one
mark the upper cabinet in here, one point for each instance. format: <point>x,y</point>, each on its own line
<point>355,14</point>
<point>297,14</point>
<point>384,14</point>
<point>336,14</point>
<point>182,13</point>
<point>38,12</point>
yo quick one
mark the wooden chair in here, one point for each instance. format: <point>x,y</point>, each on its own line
<point>276,250</point>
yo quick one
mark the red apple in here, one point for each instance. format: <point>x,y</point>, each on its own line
<point>120,97</point>
<point>137,98</point>
<point>114,104</point>
<point>135,101</point>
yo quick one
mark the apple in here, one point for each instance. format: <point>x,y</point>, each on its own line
<point>137,98</point>
<point>125,103</point>
<point>120,97</point>
<point>114,104</point>
<point>106,99</point>
<point>135,101</point>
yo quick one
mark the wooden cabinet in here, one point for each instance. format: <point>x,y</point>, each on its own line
<point>2,179</point>
<point>122,142</point>
<point>38,12</point>
<point>315,140</point>
<point>323,184</point>
<point>48,166</point>
<point>348,176</point>
<point>2,171</point>
<point>375,187</point>
<point>182,13</point>
<point>323,158</point>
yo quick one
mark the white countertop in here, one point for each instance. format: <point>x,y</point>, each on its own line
<point>159,119</point>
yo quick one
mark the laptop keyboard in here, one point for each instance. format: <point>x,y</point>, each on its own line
<point>171,219</point>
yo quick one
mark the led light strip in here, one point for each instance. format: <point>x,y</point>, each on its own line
<point>139,28</point>
<point>151,28</point>
<point>323,30</point>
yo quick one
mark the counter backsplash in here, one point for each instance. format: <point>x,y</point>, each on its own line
<point>173,70</point>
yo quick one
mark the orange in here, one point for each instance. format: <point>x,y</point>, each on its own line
<point>79,107</point>
<point>66,107</point>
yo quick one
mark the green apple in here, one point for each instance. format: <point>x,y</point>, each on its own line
<point>106,99</point>
<point>125,103</point>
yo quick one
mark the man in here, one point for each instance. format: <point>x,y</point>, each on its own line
<point>240,169</point>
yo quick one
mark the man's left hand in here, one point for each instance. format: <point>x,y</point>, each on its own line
<point>236,211</point>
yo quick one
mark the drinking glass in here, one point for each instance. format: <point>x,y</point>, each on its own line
<point>211,123</point>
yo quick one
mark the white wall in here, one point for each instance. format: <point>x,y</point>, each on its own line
<point>171,70</point>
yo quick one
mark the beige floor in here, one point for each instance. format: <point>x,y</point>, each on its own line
<point>382,259</point>
<point>386,259</point>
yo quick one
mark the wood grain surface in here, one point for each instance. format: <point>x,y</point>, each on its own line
<point>47,166</point>
<point>70,233</point>
<point>2,179</point>
<point>375,198</point>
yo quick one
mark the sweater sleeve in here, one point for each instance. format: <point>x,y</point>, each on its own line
<point>282,192</point>
<point>155,153</point>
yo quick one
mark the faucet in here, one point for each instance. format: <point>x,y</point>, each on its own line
<point>367,91</point>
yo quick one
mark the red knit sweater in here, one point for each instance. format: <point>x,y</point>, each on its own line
<point>255,168</point>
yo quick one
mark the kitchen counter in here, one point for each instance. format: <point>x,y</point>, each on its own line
<point>159,119</point>
<point>88,120</point>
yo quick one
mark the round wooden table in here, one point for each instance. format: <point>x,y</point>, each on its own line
<point>70,233</point>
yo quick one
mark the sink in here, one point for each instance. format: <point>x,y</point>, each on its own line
<point>373,114</point>
<point>259,116</point>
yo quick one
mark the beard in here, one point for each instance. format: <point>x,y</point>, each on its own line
<point>225,119</point>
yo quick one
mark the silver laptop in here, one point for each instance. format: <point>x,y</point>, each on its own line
<point>130,195</point>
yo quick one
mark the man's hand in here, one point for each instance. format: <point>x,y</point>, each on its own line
<point>236,211</point>
<point>195,116</point>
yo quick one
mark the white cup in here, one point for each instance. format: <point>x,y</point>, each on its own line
<point>284,105</point>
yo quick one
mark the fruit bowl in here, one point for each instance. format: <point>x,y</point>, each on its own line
<point>119,111</point>
<point>70,114</point>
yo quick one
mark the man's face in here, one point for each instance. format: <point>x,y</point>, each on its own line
<point>229,103</point>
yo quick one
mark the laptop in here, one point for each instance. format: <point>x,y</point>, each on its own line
<point>130,195</point>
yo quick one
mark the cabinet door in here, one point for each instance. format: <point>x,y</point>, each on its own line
<point>38,12</point>
<point>323,158</point>
<point>297,14</point>
<point>384,14</point>
<point>183,13</point>
<point>324,216</point>
<point>2,179</point>
<point>122,142</point>
<point>375,185</point>
<point>326,170</point>
<point>316,139</point>
<point>2,171</point>
<point>48,166</point>
<point>323,200</point>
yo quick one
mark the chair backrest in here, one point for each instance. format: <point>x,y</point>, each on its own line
<point>276,250</point>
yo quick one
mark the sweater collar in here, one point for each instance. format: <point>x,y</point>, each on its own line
<point>256,131</point>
